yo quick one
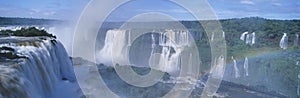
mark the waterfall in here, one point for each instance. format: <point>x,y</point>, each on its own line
<point>115,39</point>
<point>284,41</point>
<point>212,36</point>
<point>153,44</point>
<point>250,39</point>
<point>128,38</point>
<point>243,36</point>
<point>253,38</point>
<point>246,67</point>
<point>171,44</point>
<point>296,40</point>
<point>236,70</point>
<point>223,34</point>
<point>217,70</point>
<point>46,62</point>
<point>170,62</point>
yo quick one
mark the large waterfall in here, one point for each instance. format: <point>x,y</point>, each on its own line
<point>171,44</point>
<point>33,67</point>
<point>170,62</point>
<point>118,37</point>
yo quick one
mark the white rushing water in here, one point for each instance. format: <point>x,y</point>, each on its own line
<point>118,37</point>
<point>170,42</point>
<point>223,34</point>
<point>65,38</point>
<point>248,38</point>
<point>170,62</point>
<point>37,75</point>
<point>218,71</point>
<point>153,43</point>
<point>253,38</point>
<point>236,70</point>
<point>284,41</point>
<point>243,36</point>
<point>246,66</point>
<point>212,36</point>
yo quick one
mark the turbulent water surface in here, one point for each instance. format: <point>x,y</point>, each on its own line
<point>35,67</point>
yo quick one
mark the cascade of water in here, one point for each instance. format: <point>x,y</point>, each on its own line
<point>170,61</point>
<point>153,43</point>
<point>253,39</point>
<point>120,48</point>
<point>248,39</point>
<point>236,70</point>
<point>115,39</point>
<point>153,40</point>
<point>45,64</point>
<point>296,40</point>
<point>164,58</point>
<point>284,41</point>
<point>243,36</point>
<point>212,36</point>
<point>162,39</point>
<point>223,34</point>
<point>171,43</point>
<point>246,67</point>
<point>218,67</point>
<point>129,38</point>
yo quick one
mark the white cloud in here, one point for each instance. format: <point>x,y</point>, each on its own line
<point>247,2</point>
<point>35,10</point>
<point>277,4</point>
<point>50,13</point>
<point>4,9</point>
<point>165,10</point>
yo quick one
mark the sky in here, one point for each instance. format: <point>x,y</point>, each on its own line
<point>224,9</point>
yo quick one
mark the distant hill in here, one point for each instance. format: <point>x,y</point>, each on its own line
<point>27,21</point>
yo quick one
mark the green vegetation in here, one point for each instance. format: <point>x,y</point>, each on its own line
<point>29,32</point>
<point>268,35</point>
<point>266,52</point>
<point>268,31</point>
<point>26,21</point>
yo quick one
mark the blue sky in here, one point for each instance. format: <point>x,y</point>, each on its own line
<point>71,9</point>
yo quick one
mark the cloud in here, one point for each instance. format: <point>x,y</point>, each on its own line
<point>4,9</point>
<point>248,2</point>
<point>276,4</point>
<point>35,10</point>
<point>178,11</point>
<point>50,13</point>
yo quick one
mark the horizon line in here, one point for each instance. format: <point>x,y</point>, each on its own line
<point>220,19</point>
